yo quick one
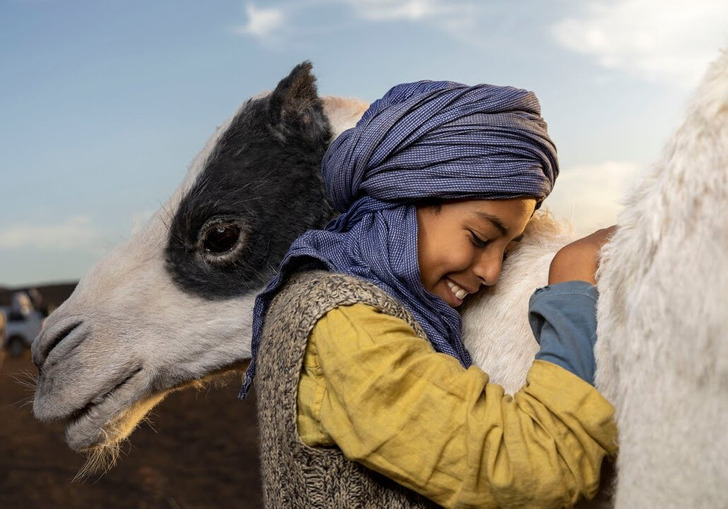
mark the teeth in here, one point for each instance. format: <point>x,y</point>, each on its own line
<point>459,292</point>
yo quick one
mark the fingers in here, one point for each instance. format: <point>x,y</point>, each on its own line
<point>579,260</point>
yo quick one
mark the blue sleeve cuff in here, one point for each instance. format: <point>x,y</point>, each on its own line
<point>564,322</point>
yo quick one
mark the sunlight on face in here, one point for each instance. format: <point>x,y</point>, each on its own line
<point>461,244</point>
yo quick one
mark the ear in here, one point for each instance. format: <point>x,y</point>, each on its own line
<point>295,102</point>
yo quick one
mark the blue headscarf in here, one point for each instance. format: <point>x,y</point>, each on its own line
<point>429,139</point>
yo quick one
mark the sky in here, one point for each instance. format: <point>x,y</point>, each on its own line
<point>103,104</point>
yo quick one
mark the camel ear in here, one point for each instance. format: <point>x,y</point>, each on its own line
<point>295,103</point>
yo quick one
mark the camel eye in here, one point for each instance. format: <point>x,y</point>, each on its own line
<point>221,240</point>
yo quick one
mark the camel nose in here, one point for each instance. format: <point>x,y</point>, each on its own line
<point>56,330</point>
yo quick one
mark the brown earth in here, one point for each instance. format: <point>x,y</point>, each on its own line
<point>201,453</point>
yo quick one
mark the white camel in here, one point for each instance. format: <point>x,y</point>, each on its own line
<point>663,348</point>
<point>159,312</point>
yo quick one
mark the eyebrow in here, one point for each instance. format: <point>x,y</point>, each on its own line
<point>495,221</point>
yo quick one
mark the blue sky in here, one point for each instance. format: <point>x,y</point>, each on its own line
<point>103,104</point>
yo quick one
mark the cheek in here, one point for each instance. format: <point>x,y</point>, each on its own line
<point>460,252</point>
<point>431,267</point>
<point>438,259</point>
<point>455,258</point>
<point>428,269</point>
<point>461,259</point>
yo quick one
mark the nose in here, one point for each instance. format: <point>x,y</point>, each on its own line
<point>58,328</point>
<point>487,267</point>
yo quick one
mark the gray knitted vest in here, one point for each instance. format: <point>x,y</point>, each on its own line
<point>295,475</point>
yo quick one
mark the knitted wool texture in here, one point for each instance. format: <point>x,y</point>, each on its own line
<point>295,475</point>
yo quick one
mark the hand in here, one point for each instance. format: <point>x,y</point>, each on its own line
<point>579,260</point>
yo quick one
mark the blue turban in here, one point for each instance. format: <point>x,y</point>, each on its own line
<point>423,140</point>
<point>444,140</point>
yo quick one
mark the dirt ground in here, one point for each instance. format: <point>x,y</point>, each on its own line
<point>201,453</point>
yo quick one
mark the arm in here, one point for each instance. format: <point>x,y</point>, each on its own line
<point>563,318</point>
<point>563,314</point>
<point>416,416</point>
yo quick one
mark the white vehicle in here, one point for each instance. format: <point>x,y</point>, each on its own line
<point>20,323</point>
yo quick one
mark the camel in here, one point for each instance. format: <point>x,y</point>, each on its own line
<point>662,352</point>
<point>171,307</point>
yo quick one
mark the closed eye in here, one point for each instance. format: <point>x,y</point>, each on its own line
<point>477,241</point>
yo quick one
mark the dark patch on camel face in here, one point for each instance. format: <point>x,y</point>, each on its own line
<point>261,189</point>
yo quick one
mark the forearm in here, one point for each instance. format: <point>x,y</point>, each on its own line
<point>563,318</point>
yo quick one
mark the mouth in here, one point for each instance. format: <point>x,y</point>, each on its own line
<point>97,421</point>
<point>112,416</point>
<point>99,400</point>
<point>457,292</point>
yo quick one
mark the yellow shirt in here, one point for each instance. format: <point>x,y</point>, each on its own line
<point>380,393</point>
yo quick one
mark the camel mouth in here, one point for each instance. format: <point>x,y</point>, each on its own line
<point>109,418</point>
<point>96,423</point>
<point>99,400</point>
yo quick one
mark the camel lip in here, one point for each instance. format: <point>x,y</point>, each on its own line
<point>86,426</point>
<point>98,400</point>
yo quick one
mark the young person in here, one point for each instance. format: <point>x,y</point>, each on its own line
<point>366,394</point>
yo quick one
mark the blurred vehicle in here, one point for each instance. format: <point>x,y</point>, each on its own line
<point>21,322</point>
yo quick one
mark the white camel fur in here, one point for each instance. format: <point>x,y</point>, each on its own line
<point>662,353</point>
<point>663,317</point>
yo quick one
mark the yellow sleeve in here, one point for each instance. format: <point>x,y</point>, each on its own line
<point>389,401</point>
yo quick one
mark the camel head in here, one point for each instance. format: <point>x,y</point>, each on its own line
<point>173,305</point>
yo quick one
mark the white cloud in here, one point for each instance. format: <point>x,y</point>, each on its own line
<point>72,233</point>
<point>391,10</point>
<point>596,192</point>
<point>667,40</point>
<point>460,19</point>
<point>457,18</point>
<point>262,23</point>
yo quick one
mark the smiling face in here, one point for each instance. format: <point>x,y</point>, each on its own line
<point>461,244</point>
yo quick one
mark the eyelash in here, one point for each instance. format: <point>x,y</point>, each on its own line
<point>477,241</point>
<point>480,243</point>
